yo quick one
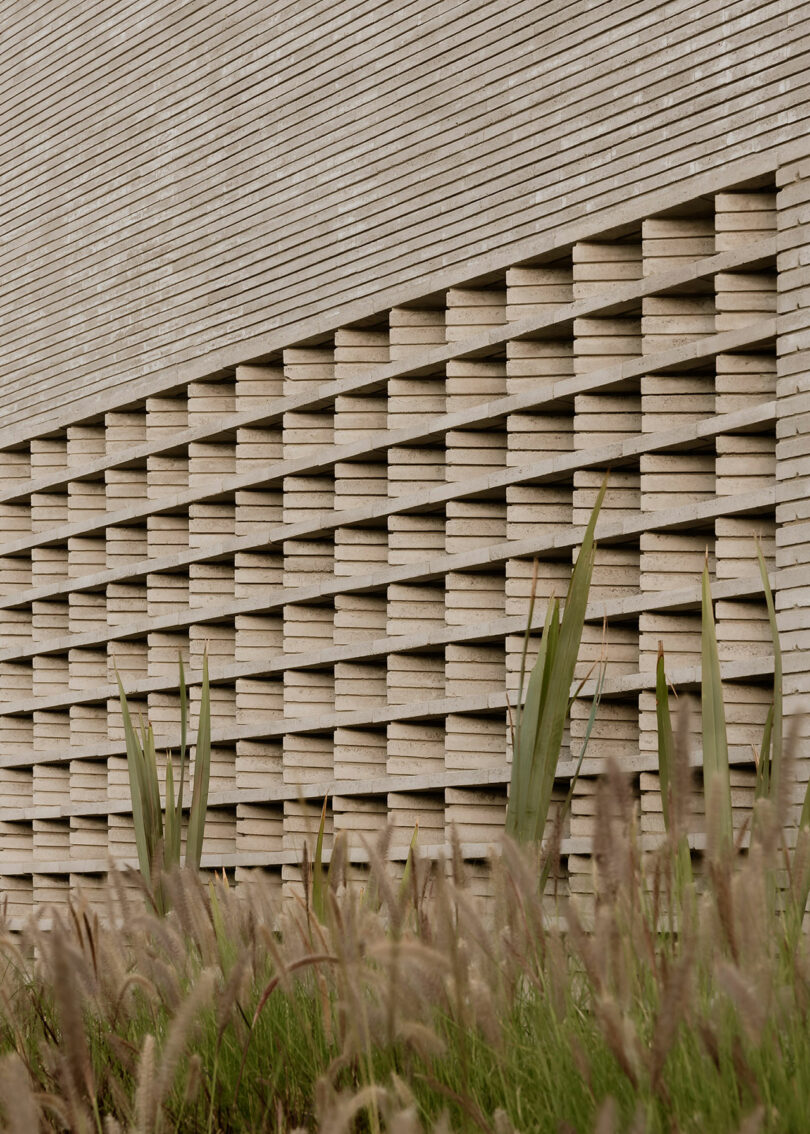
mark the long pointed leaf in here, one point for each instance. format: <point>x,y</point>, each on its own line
<point>666,761</point>
<point>183,732</point>
<point>666,740</point>
<point>715,739</point>
<point>524,652</point>
<point>804,821</point>
<point>136,785</point>
<point>566,807</point>
<point>171,823</point>
<point>776,738</point>
<point>561,675</point>
<point>405,881</point>
<point>763,782</point>
<point>538,740</point>
<point>318,881</point>
<point>154,814</point>
<point>591,721</point>
<point>526,736</point>
<point>202,772</point>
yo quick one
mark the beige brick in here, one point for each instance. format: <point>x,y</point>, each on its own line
<point>415,677</point>
<point>359,618</point>
<point>307,367</point>
<point>672,241</point>
<point>416,328</point>
<point>301,825</point>
<point>256,386</point>
<point>259,827</point>
<point>258,763</point>
<point>532,291</point>
<point>258,700</point>
<point>474,309</point>
<point>477,815</point>
<point>744,216</point>
<point>416,815</point>
<point>537,364</point>
<point>415,747</point>
<point>474,742</point>
<point>473,597</point>
<point>411,608</point>
<point>359,754</point>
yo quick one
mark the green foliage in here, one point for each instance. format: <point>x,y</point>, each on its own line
<point>717,789</point>
<point>228,1014</point>
<point>540,717</point>
<point>716,780</point>
<point>673,805</point>
<point>158,831</point>
<point>769,765</point>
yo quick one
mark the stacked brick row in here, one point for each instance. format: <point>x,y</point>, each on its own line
<point>793,450</point>
<point>350,529</point>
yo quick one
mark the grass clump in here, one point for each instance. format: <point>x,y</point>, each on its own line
<point>659,1006</point>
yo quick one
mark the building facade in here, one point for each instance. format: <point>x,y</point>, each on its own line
<point>321,325</point>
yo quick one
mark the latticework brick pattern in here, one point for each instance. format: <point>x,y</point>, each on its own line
<point>349,528</point>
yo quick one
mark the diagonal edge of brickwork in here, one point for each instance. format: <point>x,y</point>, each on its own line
<point>793,436</point>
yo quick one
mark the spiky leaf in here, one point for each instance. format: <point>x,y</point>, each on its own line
<point>775,739</point>
<point>202,773</point>
<point>666,740</point>
<point>137,785</point>
<point>715,740</point>
<point>542,722</point>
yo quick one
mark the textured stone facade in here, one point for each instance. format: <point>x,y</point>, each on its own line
<point>344,502</point>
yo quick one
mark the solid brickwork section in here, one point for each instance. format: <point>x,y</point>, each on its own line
<point>793,437</point>
<point>350,527</point>
<point>192,180</point>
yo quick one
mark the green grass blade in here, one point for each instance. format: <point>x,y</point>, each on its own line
<point>804,821</point>
<point>776,739</point>
<point>666,740</point>
<point>763,784</point>
<point>523,653</point>
<point>183,733</point>
<point>318,880</point>
<point>135,768</point>
<point>561,676</point>
<point>715,739</point>
<point>202,773</point>
<point>405,881</point>
<point>595,702</point>
<point>566,806</point>
<point>549,659</point>
<point>666,758</point>
<point>542,761</point>
<point>154,813</point>
<point>171,821</point>
<point>517,817</point>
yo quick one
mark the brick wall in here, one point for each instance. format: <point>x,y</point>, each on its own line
<point>350,528</point>
<point>191,185</point>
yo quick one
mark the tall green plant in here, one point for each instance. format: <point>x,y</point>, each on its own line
<point>716,778</point>
<point>540,718</point>
<point>673,807</point>
<point>715,743</point>
<point>769,767</point>
<point>158,831</point>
